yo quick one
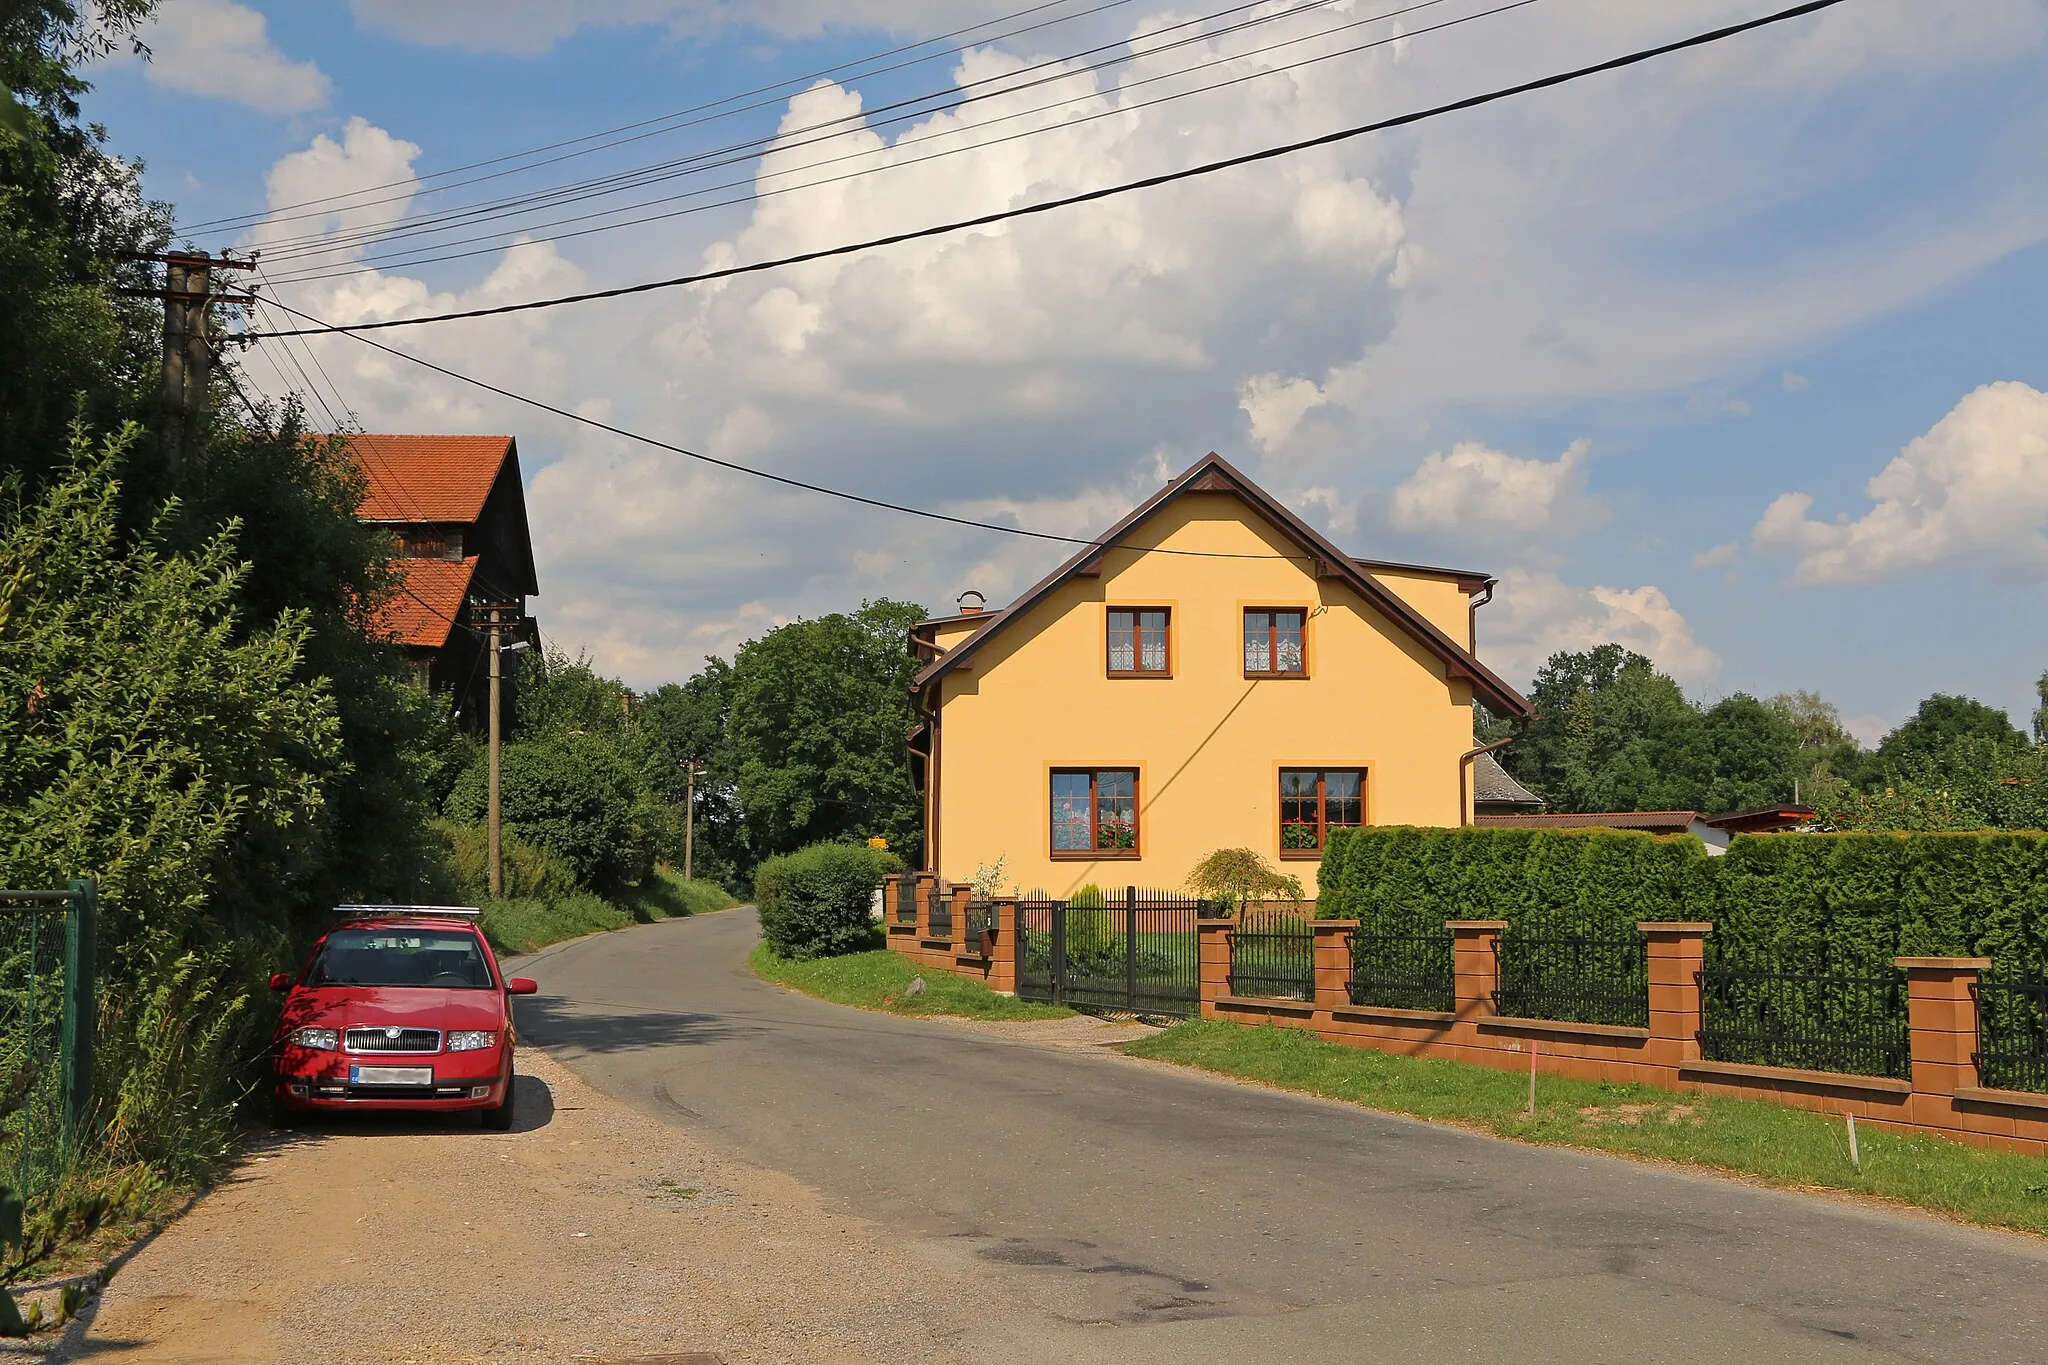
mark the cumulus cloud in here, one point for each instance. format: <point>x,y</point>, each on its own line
<point>1536,613</point>
<point>222,50</point>
<point>1720,556</point>
<point>1975,486</point>
<point>1324,313</point>
<point>1476,491</point>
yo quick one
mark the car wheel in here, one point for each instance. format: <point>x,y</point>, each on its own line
<point>498,1118</point>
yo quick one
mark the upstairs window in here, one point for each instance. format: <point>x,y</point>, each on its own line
<point>1095,812</point>
<point>1272,644</point>
<point>1137,642</point>
<point>1314,801</point>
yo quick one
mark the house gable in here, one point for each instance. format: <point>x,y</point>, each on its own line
<point>1282,537</point>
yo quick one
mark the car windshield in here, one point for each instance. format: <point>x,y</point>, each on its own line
<point>442,958</point>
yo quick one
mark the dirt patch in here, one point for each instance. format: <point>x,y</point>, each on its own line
<point>592,1233</point>
<point>1641,1115</point>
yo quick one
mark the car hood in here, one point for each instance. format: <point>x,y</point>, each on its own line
<point>407,1006</point>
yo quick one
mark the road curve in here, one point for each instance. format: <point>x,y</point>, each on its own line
<point>1132,1213</point>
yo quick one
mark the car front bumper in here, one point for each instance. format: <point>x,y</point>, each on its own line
<point>328,1088</point>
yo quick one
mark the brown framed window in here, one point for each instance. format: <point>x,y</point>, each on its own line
<point>1095,811</point>
<point>1272,644</point>
<point>1314,801</point>
<point>1137,641</point>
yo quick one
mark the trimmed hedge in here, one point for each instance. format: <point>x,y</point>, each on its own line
<point>1781,896</point>
<point>817,901</point>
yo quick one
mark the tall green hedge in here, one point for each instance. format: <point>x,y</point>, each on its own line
<point>1783,896</point>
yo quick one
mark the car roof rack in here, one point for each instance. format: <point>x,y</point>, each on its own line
<point>408,912</point>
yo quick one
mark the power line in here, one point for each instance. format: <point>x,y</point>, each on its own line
<point>1090,196</point>
<point>785,480</point>
<point>951,98</point>
<point>402,259</point>
<point>336,202</point>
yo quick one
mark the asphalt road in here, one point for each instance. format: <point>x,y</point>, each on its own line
<point>1130,1212</point>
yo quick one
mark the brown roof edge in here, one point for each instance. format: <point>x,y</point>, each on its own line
<point>1469,580</point>
<point>1212,473</point>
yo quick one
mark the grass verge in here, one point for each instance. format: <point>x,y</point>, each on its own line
<point>1787,1147</point>
<point>525,926</point>
<point>877,981</point>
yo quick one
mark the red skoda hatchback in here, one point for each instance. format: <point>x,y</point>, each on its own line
<point>399,1007</point>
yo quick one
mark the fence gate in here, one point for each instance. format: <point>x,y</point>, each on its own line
<point>1138,955</point>
<point>46,1019</point>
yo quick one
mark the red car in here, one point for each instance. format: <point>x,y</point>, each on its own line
<point>399,1007</point>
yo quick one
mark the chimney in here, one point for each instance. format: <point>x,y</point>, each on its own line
<point>970,603</point>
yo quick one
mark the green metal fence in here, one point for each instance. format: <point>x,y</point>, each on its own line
<point>47,974</point>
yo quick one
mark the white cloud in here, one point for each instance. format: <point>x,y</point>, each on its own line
<point>1330,313</point>
<point>1718,557</point>
<point>1535,614</point>
<point>1975,486</point>
<point>1480,493</point>
<point>222,50</point>
<point>1869,731</point>
<point>1791,381</point>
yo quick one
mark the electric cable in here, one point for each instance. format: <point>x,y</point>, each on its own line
<point>404,257</point>
<point>338,204</point>
<point>1090,196</point>
<point>848,124</point>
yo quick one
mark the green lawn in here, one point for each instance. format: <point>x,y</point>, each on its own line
<point>525,926</point>
<point>1788,1147</point>
<point>877,981</point>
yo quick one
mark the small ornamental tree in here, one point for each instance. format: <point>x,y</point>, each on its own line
<point>1239,878</point>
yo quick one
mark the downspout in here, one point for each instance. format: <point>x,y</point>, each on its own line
<point>1466,815</point>
<point>929,856</point>
<point>1472,606</point>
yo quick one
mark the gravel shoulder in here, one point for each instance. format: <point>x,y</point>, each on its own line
<point>590,1233</point>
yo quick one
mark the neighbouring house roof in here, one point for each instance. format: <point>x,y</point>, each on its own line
<point>1494,785</point>
<point>427,478</point>
<point>424,611</point>
<point>1213,474</point>
<point>1761,820</point>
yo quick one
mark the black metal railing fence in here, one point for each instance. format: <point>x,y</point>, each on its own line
<point>1822,1013</point>
<point>1403,971</point>
<point>2012,1033</point>
<point>939,912</point>
<point>1589,975</point>
<point>981,919</point>
<point>906,898</point>
<point>1272,955</point>
<point>1134,952</point>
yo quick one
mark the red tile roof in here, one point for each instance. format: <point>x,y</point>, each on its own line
<point>427,478</point>
<point>423,610</point>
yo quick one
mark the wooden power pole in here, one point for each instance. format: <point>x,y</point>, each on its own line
<point>689,815</point>
<point>496,617</point>
<point>188,356</point>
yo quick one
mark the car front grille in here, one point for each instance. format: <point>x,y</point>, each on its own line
<point>382,1040</point>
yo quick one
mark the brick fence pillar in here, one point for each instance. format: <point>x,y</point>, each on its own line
<point>1678,949</point>
<point>1212,939</point>
<point>962,895</point>
<point>1333,961</point>
<point>923,906</point>
<point>1002,965</point>
<point>1475,965</point>
<point>1941,1018</point>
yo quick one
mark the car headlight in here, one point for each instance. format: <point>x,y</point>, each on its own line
<point>472,1040</point>
<point>320,1039</point>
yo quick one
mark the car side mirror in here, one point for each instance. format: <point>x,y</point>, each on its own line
<point>522,985</point>
<point>280,981</point>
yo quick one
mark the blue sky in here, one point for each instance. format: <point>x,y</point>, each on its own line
<point>1600,341</point>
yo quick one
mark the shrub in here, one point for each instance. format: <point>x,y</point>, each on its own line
<point>531,871</point>
<point>1238,877</point>
<point>815,902</point>
<point>575,795</point>
<point>1091,927</point>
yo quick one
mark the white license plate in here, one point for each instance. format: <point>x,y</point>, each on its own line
<point>391,1075</point>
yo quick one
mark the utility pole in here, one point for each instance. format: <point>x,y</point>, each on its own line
<point>496,619</point>
<point>689,814</point>
<point>188,354</point>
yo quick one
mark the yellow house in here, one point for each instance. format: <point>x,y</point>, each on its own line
<point>1211,673</point>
